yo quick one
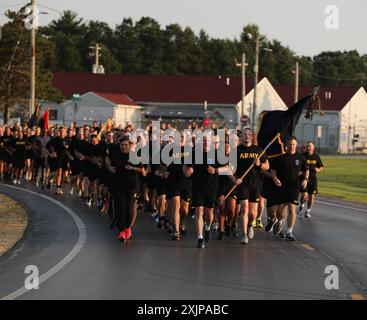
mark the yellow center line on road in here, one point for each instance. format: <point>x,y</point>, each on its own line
<point>307,247</point>
<point>357,296</point>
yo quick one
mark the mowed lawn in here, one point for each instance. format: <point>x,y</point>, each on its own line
<point>344,178</point>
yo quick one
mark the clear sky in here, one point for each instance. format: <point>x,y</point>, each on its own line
<point>299,24</point>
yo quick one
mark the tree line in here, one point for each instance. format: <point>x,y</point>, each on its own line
<point>145,47</point>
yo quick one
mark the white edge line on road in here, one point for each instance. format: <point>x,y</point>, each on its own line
<point>70,256</point>
<point>340,206</point>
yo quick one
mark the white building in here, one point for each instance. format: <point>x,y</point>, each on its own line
<point>267,100</point>
<point>95,106</point>
<point>343,129</point>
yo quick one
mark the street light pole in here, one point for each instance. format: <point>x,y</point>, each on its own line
<point>256,73</point>
<point>296,82</point>
<point>242,65</point>
<point>33,60</point>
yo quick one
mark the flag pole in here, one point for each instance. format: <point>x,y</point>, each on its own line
<point>252,165</point>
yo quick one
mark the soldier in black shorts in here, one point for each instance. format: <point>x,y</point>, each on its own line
<point>62,157</point>
<point>178,188</point>
<point>286,171</point>
<point>268,193</point>
<point>225,184</point>
<point>204,172</point>
<point>161,173</point>
<point>315,166</point>
<point>248,192</point>
<point>19,153</point>
<point>76,150</point>
<point>29,154</point>
<point>94,165</point>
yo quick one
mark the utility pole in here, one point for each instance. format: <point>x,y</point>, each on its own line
<point>96,67</point>
<point>33,60</point>
<point>296,82</point>
<point>256,73</point>
<point>242,65</point>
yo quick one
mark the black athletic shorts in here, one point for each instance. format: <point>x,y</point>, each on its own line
<point>204,194</point>
<point>18,162</point>
<point>287,194</point>
<point>75,167</point>
<point>52,164</point>
<point>269,192</point>
<point>179,187</point>
<point>224,185</point>
<point>244,192</point>
<point>161,186</point>
<point>103,176</point>
<point>93,172</point>
<point>39,163</point>
<point>151,181</point>
<point>62,163</point>
<point>29,154</point>
<point>311,186</point>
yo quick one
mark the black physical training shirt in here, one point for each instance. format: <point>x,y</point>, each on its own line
<point>19,146</point>
<point>246,157</point>
<point>176,169</point>
<point>200,166</point>
<point>60,146</point>
<point>124,176</point>
<point>289,166</point>
<point>313,161</point>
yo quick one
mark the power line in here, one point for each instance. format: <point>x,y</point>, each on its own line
<point>12,5</point>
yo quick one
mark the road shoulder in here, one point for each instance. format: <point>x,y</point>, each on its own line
<point>13,223</point>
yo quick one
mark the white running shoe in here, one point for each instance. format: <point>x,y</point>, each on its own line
<point>244,239</point>
<point>308,215</point>
<point>250,232</point>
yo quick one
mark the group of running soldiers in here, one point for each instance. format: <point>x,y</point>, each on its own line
<point>98,168</point>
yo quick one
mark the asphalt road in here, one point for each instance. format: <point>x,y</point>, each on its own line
<point>78,257</point>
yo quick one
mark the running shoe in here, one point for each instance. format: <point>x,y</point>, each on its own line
<point>250,232</point>
<point>307,215</point>
<point>215,226</point>
<point>15,181</point>
<point>183,230</point>
<point>244,239</point>
<point>280,235</point>
<point>59,191</point>
<point>259,224</point>
<point>89,201</point>
<point>221,235</point>
<point>276,228</point>
<point>140,206</point>
<point>299,211</point>
<point>160,223</point>
<point>207,236</point>
<point>270,225</point>
<point>122,236</point>
<point>170,230</point>
<point>128,233</point>
<point>18,181</point>
<point>176,236</point>
<point>234,231</point>
<point>200,243</point>
<point>290,237</point>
